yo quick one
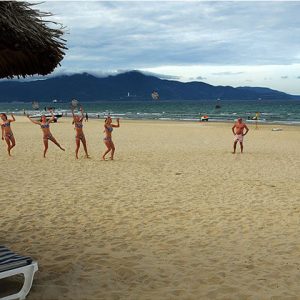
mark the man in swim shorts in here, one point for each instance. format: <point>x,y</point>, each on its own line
<point>238,132</point>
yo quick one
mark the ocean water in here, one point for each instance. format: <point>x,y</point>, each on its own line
<point>285,112</point>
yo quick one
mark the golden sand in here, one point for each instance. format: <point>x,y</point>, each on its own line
<point>175,216</point>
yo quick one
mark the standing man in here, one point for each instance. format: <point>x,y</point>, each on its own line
<point>238,132</point>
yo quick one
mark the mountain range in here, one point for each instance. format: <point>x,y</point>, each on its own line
<point>128,86</point>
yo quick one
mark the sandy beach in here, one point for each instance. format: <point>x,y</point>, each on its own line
<point>175,216</point>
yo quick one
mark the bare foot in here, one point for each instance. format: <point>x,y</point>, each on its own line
<point>233,152</point>
<point>87,156</point>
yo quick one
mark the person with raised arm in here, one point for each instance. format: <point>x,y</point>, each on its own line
<point>45,126</point>
<point>77,121</point>
<point>7,133</point>
<point>108,128</point>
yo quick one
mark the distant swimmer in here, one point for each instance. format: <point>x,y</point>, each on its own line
<point>45,126</point>
<point>7,133</point>
<point>108,128</point>
<point>238,131</point>
<point>79,137</point>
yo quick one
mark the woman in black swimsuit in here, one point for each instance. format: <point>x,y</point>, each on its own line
<point>45,126</point>
<point>77,121</point>
<point>7,133</point>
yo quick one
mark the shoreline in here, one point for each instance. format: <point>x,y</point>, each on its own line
<point>114,116</point>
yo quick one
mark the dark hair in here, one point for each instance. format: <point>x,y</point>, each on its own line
<point>4,116</point>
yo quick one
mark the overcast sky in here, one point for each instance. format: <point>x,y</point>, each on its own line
<point>218,42</point>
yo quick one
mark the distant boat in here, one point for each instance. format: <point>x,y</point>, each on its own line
<point>218,104</point>
<point>129,96</point>
<point>204,118</point>
<point>48,115</point>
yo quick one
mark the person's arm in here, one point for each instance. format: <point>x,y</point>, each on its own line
<point>118,123</point>
<point>247,129</point>
<point>82,115</point>
<point>52,117</point>
<point>2,131</point>
<point>13,118</point>
<point>233,129</point>
<point>35,122</point>
<point>73,116</point>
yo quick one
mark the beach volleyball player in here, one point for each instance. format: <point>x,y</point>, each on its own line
<point>79,137</point>
<point>45,126</point>
<point>108,128</point>
<point>7,133</point>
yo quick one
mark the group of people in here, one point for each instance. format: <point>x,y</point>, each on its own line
<point>239,130</point>
<point>8,136</point>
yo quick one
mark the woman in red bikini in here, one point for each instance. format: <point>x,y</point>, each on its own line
<point>108,128</point>
<point>45,126</point>
<point>77,121</point>
<point>7,133</point>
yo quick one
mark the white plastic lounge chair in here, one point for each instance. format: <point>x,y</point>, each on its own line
<point>13,264</point>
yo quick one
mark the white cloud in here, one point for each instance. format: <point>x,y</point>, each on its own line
<point>217,35</point>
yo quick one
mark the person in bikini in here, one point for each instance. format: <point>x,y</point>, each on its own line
<point>77,121</point>
<point>45,126</point>
<point>7,133</point>
<point>238,132</point>
<point>108,128</point>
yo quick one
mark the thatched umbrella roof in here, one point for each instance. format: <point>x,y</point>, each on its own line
<point>27,45</point>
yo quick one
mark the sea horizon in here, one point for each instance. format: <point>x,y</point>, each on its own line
<point>271,112</point>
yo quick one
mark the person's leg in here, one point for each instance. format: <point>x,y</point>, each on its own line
<point>112,150</point>
<point>242,147</point>
<point>85,147</point>
<point>234,147</point>
<point>107,144</point>
<point>13,142</point>
<point>45,146</point>
<point>7,140</point>
<point>53,140</point>
<point>77,147</point>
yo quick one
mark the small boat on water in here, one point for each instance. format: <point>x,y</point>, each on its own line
<point>218,104</point>
<point>204,118</point>
<point>255,120</point>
